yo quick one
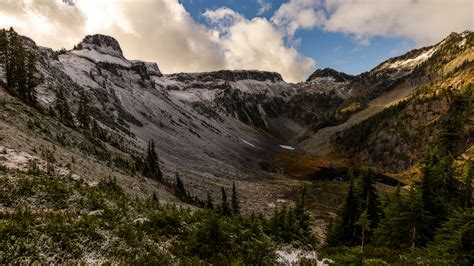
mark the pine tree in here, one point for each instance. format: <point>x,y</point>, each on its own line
<point>344,228</point>
<point>19,68</point>
<point>438,185</point>
<point>3,48</point>
<point>11,56</point>
<point>467,193</point>
<point>209,202</point>
<point>301,215</point>
<point>364,224</point>
<point>388,233</point>
<point>83,112</point>
<point>31,80</point>
<point>452,124</point>
<point>235,201</point>
<point>416,219</point>
<point>455,239</point>
<point>406,224</point>
<point>225,209</point>
<point>180,189</point>
<point>152,166</point>
<point>368,198</point>
<point>62,107</point>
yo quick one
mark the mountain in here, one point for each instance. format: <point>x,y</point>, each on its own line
<point>330,73</point>
<point>405,84</point>
<point>96,116</point>
<point>223,126</point>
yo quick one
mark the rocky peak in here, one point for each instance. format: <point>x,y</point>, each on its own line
<point>102,43</point>
<point>329,72</point>
<point>146,69</point>
<point>229,75</point>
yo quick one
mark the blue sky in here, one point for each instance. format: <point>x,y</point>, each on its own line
<point>329,49</point>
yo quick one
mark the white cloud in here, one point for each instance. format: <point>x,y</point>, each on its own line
<point>161,31</point>
<point>264,7</point>
<point>298,14</point>
<point>423,21</point>
<point>222,18</point>
<point>257,44</point>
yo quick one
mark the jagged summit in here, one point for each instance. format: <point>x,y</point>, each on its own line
<point>101,48</point>
<point>103,43</point>
<point>329,72</point>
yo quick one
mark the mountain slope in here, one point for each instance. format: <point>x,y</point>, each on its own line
<point>221,127</point>
<point>416,125</point>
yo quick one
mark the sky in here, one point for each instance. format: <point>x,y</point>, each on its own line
<point>292,37</point>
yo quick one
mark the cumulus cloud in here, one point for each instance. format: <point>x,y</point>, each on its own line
<point>257,44</point>
<point>423,21</point>
<point>161,31</point>
<point>264,7</point>
<point>298,14</point>
<point>49,23</point>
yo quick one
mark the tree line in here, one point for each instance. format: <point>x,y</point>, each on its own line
<point>19,65</point>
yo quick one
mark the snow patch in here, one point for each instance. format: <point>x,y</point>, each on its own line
<point>248,143</point>
<point>99,57</point>
<point>78,69</point>
<point>194,95</point>
<point>20,160</point>
<point>412,62</point>
<point>462,43</point>
<point>291,257</point>
<point>287,147</point>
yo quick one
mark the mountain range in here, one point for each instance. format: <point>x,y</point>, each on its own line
<point>244,127</point>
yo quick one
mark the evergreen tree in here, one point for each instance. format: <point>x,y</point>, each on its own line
<point>152,167</point>
<point>209,202</point>
<point>11,60</point>
<point>83,113</point>
<point>62,108</point>
<point>19,65</point>
<point>388,233</point>
<point>344,228</point>
<point>455,239</point>
<point>225,209</point>
<point>235,201</point>
<point>416,219</point>
<point>368,198</point>
<point>3,48</point>
<point>364,224</point>
<point>301,216</point>
<point>438,185</point>
<point>467,194</point>
<point>406,224</point>
<point>180,189</point>
<point>452,123</point>
<point>31,80</point>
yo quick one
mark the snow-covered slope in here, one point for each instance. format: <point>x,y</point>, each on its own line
<point>202,123</point>
<point>217,127</point>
